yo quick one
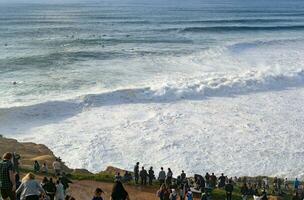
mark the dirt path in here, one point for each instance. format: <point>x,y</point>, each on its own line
<point>84,190</point>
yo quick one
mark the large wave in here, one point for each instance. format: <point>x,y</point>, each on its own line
<point>195,88</point>
<point>208,85</point>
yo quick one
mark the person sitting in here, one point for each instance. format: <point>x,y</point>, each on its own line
<point>97,194</point>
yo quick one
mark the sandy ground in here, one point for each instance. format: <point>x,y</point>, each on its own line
<point>84,190</point>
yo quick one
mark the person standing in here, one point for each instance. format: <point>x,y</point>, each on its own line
<point>189,195</point>
<point>136,172</point>
<point>57,167</point>
<point>16,158</point>
<point>50,189</point>
<point>44,169</point>
<point>119,192</point>
<point>7,178</point>
<point>296,184</point>
<point>244,191</point>
<point>173,195</point>
<point>213,180</point>
<point>169,177</point>
<point>59,191</point>
<point>143,176</point>
<point>36,166</point>
<point>229,190</point>
<point>151,175</point>
<point>183,176</point>
<point>286,184</point>
<point>30,189</point>
<point>162,176</point>
<point>222,181</point>
<point>65,182</point>
<point>161,192</point>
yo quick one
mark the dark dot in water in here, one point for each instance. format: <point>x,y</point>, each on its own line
<point>5,44</point>
<point>14,83</point>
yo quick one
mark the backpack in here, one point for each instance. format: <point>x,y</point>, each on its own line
<point>189,196</point>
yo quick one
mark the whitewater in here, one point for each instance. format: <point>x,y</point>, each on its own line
<point>213,86</point>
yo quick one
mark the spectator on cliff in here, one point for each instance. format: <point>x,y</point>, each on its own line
<point>136,172</point>
<point>65,182</point>
<point>60,192</point>
<point>44,169</point>
<point>222,181</point>
<point>207,179</point>
<point>127,177</point>
<point>213,180</point>
<point>296,184</point>
<point>189,195</point>
<point>264,195</point>
<point>161,176</point>
<point>182,191</point>
<point>36,166</point>
<point>163,193</point>
<point>143,176</point>
<point>151,175</point>
<point>173,195</point>
<point>7,178</point>
<point>265,183</point>
<point>57,167</point>
<point>286,184</point>
<point>183,176</point>
<point>118,177</point>
<point>244,191</point>
<point>44,182</point>
<point>169,177</point>
<point>229,190</point>
<point>16,158</point>
<point>30,189</point>
<point>18,183</point>
<point>119,192</point>
<point>50,189</point>
<point>98,194</point>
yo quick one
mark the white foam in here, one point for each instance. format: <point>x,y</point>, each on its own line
<point>242,135</point>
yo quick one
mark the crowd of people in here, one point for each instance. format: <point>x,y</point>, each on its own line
<point>12,188</point>
<point>170,188</point>
<point>183,187</point>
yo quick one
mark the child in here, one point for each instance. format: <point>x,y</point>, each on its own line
<point>97,195</point>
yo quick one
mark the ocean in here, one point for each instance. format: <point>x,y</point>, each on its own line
<point>209,85</point>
